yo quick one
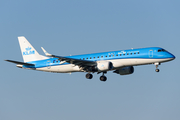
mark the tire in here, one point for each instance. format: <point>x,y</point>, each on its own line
<point>157,70</point>
<point>89,76</point>
<point>103,78</point>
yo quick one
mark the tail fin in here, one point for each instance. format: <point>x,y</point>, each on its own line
<point>28,51</point>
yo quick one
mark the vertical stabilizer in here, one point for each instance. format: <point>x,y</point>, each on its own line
<point>28,51</point>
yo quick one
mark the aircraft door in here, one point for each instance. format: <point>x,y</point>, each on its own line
<point>150,53</point>
<point>48,64</point>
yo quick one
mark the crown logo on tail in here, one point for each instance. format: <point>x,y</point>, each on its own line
<point>28,51</point>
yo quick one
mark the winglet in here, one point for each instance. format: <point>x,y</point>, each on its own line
<point>46,53</point>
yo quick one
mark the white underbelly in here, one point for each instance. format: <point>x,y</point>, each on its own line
<point>134,62</point>
<point>60,68</point>
<point>117,63</point>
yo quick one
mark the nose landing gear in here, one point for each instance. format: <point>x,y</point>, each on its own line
<point>157,64</point>
<point>157,70</point>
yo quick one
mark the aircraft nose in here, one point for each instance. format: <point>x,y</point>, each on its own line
<point>173,57</point>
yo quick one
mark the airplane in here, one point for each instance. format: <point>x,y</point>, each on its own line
<point>120,62</point>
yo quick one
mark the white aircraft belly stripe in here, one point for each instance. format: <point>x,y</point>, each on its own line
<point>118,63</point>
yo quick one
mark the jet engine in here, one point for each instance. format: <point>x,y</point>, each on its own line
<point>104,66</point>
<point>125,70</point>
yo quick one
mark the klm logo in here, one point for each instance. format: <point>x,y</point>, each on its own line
<point>122,52</point>
<point>102,66</point>
<point>28,51</point>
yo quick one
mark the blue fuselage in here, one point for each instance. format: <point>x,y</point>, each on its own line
<point>142,53</point>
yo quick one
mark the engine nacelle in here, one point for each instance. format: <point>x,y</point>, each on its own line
<point>104,66</point>
<point>125,70</point>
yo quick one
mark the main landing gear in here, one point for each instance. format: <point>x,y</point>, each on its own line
<point>89,76</point>
<point>157,64</point>
<point>102,78</point>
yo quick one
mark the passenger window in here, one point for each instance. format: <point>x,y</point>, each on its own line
<point>123,54</point>
<point>117,55</point>
<point>134,53</point>
<point>138,52</point>
<point>98,57</point>
<point>86,58</point>
<point>106,55</point>
<point>113,55</point>
<point>109,55</point>
<point>83,58</point>
<point>120,54</point>
<point>127,53</point>
<point>90,57</point>
<point>94,57</point>
<point>131,53</point>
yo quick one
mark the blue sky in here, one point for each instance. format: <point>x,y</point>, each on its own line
<point>89,26</point>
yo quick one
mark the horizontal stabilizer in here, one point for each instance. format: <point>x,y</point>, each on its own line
<point>21,63</point>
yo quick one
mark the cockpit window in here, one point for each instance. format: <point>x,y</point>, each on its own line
<point>164,50</point>
<point>161,50</point>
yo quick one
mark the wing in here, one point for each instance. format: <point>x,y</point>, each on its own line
<point>21,63</point>
<point>83,63</point>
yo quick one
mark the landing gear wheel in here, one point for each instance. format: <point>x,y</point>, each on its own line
<point>157,70</point>
<point>103,78</point>
<point>89,76</point>
<point>157,64</point>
